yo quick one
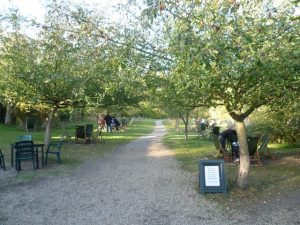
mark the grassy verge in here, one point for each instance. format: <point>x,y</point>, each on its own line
<point>274,178</point>
<point>72,154</point>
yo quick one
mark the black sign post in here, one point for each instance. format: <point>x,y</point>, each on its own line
<point>212,176</point>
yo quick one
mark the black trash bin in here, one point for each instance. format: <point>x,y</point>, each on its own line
<point>216,131</point>
<point>252,144</point>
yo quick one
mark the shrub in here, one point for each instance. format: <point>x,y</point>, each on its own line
<point>284,126</point>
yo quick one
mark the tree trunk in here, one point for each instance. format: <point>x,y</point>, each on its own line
<point>185,119</point>
<point>186,127</point>
<point>49,127</point>
<point>177,125</point>
<point>244,168</point>
<point>8,115</point>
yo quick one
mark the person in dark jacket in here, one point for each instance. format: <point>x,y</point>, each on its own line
<point>108,121</point>
<point>231,136</point>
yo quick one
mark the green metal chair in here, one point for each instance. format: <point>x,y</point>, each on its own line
<point>24,151</point>
<point>26,137</point>
<point>2,161</point>
<point>54,148</point>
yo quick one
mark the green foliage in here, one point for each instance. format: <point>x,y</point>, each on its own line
<point>233,57</point>
<point>64,114</point>
<point>240,55</point>
<point>282,124</point>
<point>150,110</point>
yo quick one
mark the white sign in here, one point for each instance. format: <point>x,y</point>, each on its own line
<point>212,176</point>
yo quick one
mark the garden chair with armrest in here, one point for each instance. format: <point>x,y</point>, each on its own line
<point>54,148</point>
<point>24,151</point>
<point>26,137</point>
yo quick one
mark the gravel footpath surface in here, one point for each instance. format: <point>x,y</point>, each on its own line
<point>137,184</point>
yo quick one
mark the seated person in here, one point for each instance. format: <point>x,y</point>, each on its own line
<point>231,136</point>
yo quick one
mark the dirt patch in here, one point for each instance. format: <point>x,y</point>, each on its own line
<point>295,160</point>
<point>279,160</point>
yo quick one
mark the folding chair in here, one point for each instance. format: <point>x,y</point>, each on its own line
<point>216,142</point>
<point>263,147</point>
<point>252,147</point>
<point>97,135</point>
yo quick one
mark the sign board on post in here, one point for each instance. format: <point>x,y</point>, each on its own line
<point>212,176</point>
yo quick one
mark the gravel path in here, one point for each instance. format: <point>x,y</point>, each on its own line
<point>137,184</point>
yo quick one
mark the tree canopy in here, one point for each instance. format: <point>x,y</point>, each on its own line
<point>175,55</point>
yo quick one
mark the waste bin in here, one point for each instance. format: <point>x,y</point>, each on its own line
<point>216,131</point>
<point>30,124</point>
<point>252,144</point>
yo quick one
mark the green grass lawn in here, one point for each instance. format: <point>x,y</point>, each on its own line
<point>275,177</point>
<point>72,154</point>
